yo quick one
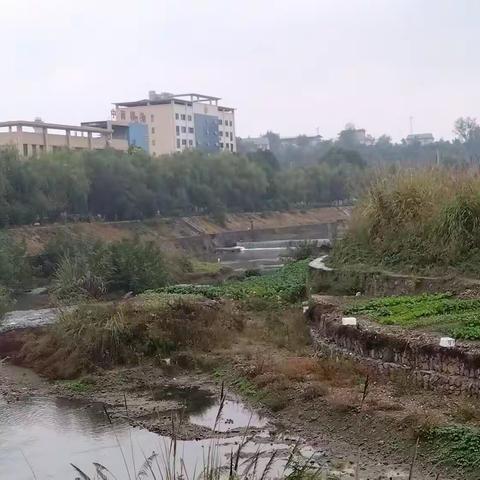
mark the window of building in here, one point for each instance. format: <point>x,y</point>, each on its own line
<point>184,142</point>
<point>182,116</point>
<point>178,143</point>
<point>25,150</point>
<point>152,118</point>
<point>41,148</point>
<point>190,130</point>
<point>220,121</point>
<point>143,118</point>
<point>177,128</point>
<point>231,136</point>
<point>132,116</point>
<point>153,129</point>
<point>231,147</point>
<point>190,142</point>
<point>184,129</point>
<point>34,149</point>
<point>231,123</point>
<point>176,116</point>
<point>153,142</point>
<point>221,144</point>
<point>220,133</point>
<point>189,118</point>
<point>122,115</point>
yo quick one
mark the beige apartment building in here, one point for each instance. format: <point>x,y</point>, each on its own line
<point>179,122</point>
<point>33,138</point>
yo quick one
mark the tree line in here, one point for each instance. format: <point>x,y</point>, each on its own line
<point>463,150</point>
<point>67,185</point>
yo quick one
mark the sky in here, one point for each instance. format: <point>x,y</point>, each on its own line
<point>290,66</point>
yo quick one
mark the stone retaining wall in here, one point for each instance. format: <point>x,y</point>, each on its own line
<point>379,283</point>
<point>424,362</point>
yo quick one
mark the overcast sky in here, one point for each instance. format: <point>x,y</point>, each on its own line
<point>290,66</point>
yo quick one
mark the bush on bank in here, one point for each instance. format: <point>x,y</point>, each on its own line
<point>418,220</point>
<point>111,334</point>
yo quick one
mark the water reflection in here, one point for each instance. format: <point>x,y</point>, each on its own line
<point>201,407</point>
<point>53,433</point>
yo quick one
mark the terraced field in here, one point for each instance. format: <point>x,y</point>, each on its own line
<point>443,313</point>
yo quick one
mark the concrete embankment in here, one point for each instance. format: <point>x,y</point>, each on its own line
<point>197,232</point>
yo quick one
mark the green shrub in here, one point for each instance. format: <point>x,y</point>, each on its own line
<point>76,279</point>
<point>137,266</point>
<point>14,267</point>
<point>91,269</point>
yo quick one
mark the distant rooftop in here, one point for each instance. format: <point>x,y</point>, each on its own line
<point>420,135</point>
<point>155,98</point>
<point>54,126</point>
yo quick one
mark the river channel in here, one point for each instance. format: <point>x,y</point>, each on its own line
<point>40,437</point>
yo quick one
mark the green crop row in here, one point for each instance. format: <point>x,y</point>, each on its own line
<point>284,285</point>
<point>441,312</point>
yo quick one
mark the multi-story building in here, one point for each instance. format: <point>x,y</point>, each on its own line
<point>34,138</point>
<point>254,144</point>
<point>179,122</point>
<point>420,138</point>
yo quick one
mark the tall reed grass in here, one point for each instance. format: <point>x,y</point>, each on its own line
<point>416,219</point>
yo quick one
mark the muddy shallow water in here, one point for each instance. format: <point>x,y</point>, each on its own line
<point>201,407</point>
<point>45,435</point>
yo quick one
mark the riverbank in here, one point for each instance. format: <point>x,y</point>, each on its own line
<point>271,364</point>
<point>173,232</point>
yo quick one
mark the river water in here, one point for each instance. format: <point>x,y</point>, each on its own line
<point>44,435</point>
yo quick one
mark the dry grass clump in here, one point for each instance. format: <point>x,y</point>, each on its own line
<point>107,335</point>
<point>282,328</point>
<point>467,411</point>
<point>423,218</point>
<point>314,390</point>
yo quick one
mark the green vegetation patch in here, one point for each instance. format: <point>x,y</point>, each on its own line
<point>77,386</point>
<point>440,312</point>
<point>455,445</point>
<point>284,285</point>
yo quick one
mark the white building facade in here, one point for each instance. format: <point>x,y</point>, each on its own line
<point>179,122</point>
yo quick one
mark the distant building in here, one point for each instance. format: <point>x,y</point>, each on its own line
<point>179,122</point>
<point>421,138</point>
<point>254,144</point>
<point>135,134</point>
<point>34,138</point>
<point>301,141</point>
<point>353,136</point>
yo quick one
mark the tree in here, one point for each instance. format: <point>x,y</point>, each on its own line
<point>466,129</point>
<point>383,140</point>
<point>338,156</point>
